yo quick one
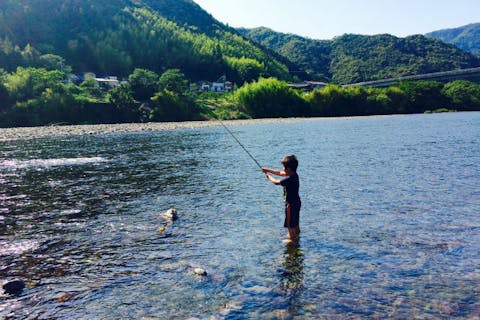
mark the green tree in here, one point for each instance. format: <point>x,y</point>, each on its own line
<point>422,96</point>
<point>378,101</point>
<point>173,80</point>
<point>463,95</point>
<point>247,69</point>
<point>54,62</point>
<point>29,83</point>
<point>91,89</point>
<point>143,84</point>
<point>398,100</point>
<point>31,56</point>
<point>168,106</point>
<point>334,100</point>
<point>270,98</point>
<point>121,97</point>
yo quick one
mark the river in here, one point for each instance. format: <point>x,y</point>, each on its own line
<point>390,222</point>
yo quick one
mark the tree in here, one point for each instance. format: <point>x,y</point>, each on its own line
<point>54,62</point>
<point>168,106</point>
<point>91,88</point>
<point>270,98</point>
<point>30,56</point>
<point>173,80</point>
<point>423,96</point>
<point>121,97</point>
<point>247,69</point>
<point>463,95</point>
<point>29,83</point>
<point>143,84</point>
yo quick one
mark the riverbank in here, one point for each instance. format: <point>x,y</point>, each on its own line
<point>7,134</point>
<point>26,133</point>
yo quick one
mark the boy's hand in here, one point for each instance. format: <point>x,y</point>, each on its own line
<point>271,179</point>
<point>265,170</point>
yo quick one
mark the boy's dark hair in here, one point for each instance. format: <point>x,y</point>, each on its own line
<point>290,162</point>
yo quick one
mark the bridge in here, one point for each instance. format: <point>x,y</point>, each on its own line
<point>460,74</point>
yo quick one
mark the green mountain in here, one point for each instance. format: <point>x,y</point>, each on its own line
<point>312,56</point>
<point>466,37</point>
<point>115,36</point>
<point>353,58</point>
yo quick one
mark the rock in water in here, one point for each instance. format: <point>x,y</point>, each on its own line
<point>64,297</point>
<point>200,272</point>
<point>170,214</point>
<point>14,287</point>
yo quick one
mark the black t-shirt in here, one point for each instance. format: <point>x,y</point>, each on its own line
<point>291,184</point>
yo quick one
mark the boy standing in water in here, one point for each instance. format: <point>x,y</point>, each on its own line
<point>291,184</point>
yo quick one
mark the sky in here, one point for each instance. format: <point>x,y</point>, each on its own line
<point>325,19</point>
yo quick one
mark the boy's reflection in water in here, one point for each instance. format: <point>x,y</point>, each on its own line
<point>292,271</point>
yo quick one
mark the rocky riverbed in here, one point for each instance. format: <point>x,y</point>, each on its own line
<point>49,131</point>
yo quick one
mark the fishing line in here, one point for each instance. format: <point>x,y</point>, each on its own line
<point>241,145</point>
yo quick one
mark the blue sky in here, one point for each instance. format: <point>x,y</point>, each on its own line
<point>325,19</point>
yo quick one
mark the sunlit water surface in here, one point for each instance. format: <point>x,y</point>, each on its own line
<point>390,222</point>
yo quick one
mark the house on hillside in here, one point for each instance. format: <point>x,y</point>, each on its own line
<point>107,82</point>
<point>219,86</point>
<point>204,85</point>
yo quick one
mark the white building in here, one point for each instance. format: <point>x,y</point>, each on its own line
<point>109,81</point>
<point>217,87</point>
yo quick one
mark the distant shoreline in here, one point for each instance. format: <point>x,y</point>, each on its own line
<point>27,133</point>
<point>7,134</point>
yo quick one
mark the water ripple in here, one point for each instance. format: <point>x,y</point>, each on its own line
<point>48,163</point>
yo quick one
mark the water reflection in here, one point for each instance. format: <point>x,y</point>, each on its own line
<point>292,271</point>
<point>292,276</point>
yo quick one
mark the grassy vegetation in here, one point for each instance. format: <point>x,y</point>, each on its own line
<point>37,96</point>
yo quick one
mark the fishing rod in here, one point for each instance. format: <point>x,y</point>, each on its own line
<point>241,145</point>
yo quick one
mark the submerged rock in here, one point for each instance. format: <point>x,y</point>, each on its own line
<point>170,214</point>
<point>64,297</point>
<point>200,271</point>
<point>14,287</point>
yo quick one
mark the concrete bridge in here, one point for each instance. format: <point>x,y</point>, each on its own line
<point>461,74</point>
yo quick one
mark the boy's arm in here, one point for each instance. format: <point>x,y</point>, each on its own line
<point>275,172</point>
<point>272,179</point>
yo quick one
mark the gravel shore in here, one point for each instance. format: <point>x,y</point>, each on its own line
<point>52,131</point>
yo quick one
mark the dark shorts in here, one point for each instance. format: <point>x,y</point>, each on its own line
<point>292,215</point>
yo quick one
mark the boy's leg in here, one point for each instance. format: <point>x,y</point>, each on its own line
<point>293,233</point>
<point>295,222</point>
<point>290,236</point>
<point>292,217</point>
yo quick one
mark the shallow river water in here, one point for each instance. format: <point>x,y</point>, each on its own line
<point>390,222</point>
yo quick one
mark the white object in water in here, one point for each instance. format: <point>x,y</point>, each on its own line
<point>200,271</point>
<point>170,214</point>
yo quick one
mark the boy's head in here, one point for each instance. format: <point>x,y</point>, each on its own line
<point>290,162</point>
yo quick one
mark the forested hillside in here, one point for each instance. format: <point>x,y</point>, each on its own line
<point>312,56</point>
<point>116,36</point>
<point>354,58</point>
<point>466,37</point>
<point>161,47</point>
